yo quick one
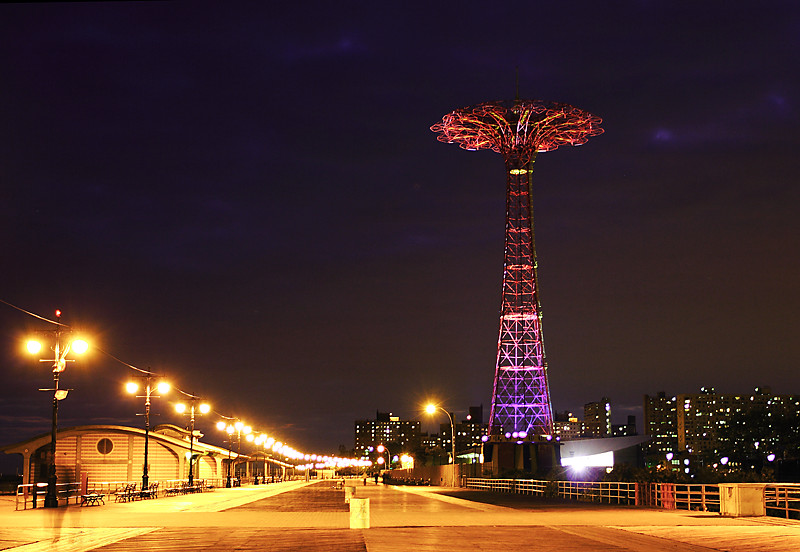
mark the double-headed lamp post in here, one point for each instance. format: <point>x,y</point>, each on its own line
<point>132,387</point>
<point>431,409</point>
<point>238,427</point>
<point>181,408</point>
<point>381,449</point>
<point>63,344</point>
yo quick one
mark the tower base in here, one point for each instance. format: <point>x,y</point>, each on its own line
<point>530,457</point>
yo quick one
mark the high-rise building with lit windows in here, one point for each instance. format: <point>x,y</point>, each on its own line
<point>597,418</point>
<point>660,424</point>
<point>388,430</point>
<point>696,423</point>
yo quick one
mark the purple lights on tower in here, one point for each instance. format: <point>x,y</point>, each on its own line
<point>518,130</point>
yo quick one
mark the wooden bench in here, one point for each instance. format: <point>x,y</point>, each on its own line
<point>150,492</point>
<point>126,493</point>
<point>92,499</point>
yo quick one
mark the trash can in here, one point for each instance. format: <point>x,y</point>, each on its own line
<point>349,493</point>
<point>359,513</point>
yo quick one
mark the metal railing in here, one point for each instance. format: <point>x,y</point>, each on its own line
<point>658,495</point>
<point>599,491</point>
<point>32,495</point>
<point>783,500</point>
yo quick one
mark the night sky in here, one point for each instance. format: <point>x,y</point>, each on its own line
<point>248,198</point>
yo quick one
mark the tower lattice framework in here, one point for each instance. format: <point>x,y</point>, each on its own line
<point>518,130</point>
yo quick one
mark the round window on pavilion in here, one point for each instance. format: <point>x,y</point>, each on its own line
<point>104,446</point>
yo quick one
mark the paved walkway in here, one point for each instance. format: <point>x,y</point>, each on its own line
<point>301,516</point>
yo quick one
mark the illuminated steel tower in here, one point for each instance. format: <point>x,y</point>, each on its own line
<point>518,130</point>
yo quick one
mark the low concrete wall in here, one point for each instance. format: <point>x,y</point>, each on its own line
<point>437,475</point>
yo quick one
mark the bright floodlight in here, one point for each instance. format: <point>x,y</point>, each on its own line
<point>131,387</point>
<point>205,408</point>
<point>180,408</point>
<point>163,387</point>
<point>430,408</point>
<point>33,346</point>
<point>79,346</point>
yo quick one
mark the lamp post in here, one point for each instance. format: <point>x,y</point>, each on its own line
<point>381,449</point>
<point>132,387</point>
<point>222,426</point>
<point>238,427</point>
<point>431,409</point>
<point>202,409</point>
<point>62,344</point>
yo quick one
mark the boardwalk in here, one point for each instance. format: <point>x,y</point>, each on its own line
<point>299,516</point>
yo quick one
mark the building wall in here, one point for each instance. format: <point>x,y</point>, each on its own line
<point>660,424</point>
<point>692,422</point>
<point>114,454</point>
<point>371,433</point>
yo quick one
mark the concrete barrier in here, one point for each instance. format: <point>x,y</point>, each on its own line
<point>359,513</point>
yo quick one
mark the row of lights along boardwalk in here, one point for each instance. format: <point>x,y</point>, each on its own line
<point>521,411</point>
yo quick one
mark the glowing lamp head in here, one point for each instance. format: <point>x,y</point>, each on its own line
<point>180,408</point>
<point>33,346</point>
<point>221,426</point>
<point>230,429</point>
<point>381,448</point>
<point>770,457</point>
<point>249,437</point>
<point>79,346</point>
<point>131,387</point>
<point>670,456</point>
<point>430,408</point>
<point>205,408</point>
<point>381,461</point>
<point>163,387</point>
<point>238,426</point>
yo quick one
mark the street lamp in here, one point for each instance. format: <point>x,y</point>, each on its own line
<point>381,449</point>
<point>222,426</point>
<point>63,344</point>
<point>203,409</point>
<point>237,428</point>
<point>132,387</point>
<point>431,409</point>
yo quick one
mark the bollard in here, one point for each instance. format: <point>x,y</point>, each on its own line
<point>359,513</point>
<point>349,493</point>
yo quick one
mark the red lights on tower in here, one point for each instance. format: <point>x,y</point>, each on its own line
<point>518,130</point>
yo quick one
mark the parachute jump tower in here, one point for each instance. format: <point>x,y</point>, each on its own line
<point>521,410</point>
